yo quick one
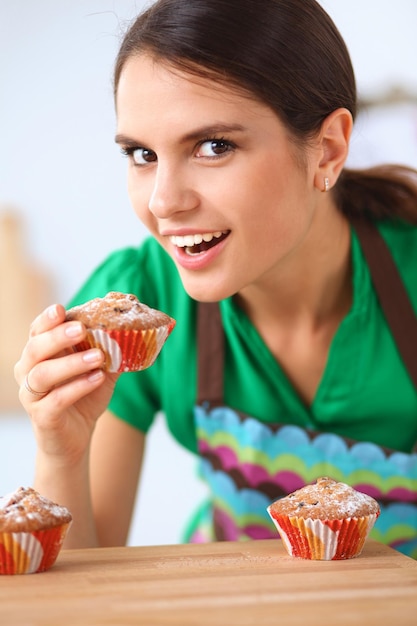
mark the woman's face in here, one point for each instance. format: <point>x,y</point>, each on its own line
<point>214,177</point>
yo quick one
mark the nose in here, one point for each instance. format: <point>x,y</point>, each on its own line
<point>172,192</point>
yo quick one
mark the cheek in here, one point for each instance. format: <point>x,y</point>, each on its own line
<point>278,207</point>
<point>138,197</point>
<point>140,207</point>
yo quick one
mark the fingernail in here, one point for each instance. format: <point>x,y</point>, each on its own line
<point>95,376</point>
<point>92,356</point>
<point>73,330</point>
<point>52,312</point>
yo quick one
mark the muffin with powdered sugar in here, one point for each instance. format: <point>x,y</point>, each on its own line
<point>130,333</point>
<point>327,520</point>
<point>32,531</point>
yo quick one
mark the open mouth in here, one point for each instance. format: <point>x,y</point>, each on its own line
<point>196,244</point>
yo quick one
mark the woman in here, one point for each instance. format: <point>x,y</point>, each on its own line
<point>235,117</point>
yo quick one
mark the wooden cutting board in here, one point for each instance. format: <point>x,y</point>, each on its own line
<point>251,583</point>
<point>25,289</point>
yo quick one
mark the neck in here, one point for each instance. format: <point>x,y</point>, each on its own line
<point>309,288</point>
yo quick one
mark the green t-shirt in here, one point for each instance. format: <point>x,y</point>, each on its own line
<point>365,393</point>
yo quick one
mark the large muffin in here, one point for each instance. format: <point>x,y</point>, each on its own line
<point>32,530</point>
<point>130,333</point>
<point>327,520</point>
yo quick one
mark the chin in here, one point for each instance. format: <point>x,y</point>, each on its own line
<point>206,291</point>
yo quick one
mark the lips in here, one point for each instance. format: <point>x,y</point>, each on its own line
<point>199,242</point>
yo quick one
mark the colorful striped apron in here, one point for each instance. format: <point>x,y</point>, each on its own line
<point>247,463</point>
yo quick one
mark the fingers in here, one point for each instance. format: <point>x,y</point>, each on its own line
<point>32,352</point>
<point>49,337</point>
<point>50,373</point>
<point>47,361</point>
<point>50,317</point>
<point>63,391</point>
<point>55,385</point>
<point>62,396</point>
<point>33,392</point>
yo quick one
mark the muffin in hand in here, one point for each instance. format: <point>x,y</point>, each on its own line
<point>32,531</point>
<point>130,333</point>
<point>328,520</point>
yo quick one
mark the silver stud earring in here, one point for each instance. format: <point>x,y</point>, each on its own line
<point>326,184</point>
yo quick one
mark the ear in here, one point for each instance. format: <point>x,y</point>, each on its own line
<point>333,146</point>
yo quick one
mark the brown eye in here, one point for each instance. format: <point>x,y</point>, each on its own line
<point>143,155</point>
<point>214,147</point>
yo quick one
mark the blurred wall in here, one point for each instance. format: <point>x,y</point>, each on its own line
<point>63,176</point>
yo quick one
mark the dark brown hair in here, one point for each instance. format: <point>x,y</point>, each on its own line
<point>287,53</point>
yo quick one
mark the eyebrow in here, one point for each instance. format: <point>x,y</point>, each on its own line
<point>203,131</point>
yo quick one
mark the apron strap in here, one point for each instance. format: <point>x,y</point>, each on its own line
<point>210,353</point>
<point>391,293</point>
<point>389,288</point>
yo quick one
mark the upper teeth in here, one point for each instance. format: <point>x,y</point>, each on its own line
<point>193,240</point>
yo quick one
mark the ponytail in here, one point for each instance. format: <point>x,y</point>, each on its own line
<point>379,193</point>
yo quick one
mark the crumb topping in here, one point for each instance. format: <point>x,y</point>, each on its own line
<point>26,510</point>
<point>118,310</point>
<point>326,499</point>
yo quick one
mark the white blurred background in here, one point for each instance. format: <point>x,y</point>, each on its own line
<point>63,193</point>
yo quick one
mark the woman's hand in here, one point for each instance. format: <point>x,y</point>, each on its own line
<point>64,392</point>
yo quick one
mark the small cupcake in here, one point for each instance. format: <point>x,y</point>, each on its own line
<point>32,531</point>
<point>325,521</point>
<point>130,334</point>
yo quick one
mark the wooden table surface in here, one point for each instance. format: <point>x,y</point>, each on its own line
<point>249,583</point>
